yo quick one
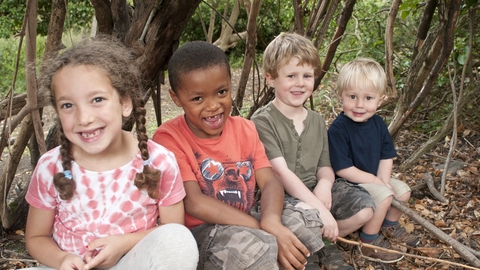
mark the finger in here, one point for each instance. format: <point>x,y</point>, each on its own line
<point>97,260</point>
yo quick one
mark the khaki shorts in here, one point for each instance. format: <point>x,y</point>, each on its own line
<point>381,192</point>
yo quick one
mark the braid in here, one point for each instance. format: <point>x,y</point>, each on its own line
<point>65,186</point>
<point>148,179</point>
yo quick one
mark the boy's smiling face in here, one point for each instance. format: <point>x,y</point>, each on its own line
<point>360,103</point>
<point>294,83</point>
<point>205,96</point>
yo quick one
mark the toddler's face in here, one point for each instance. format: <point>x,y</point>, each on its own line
<point>359,104</point>
<point>294,83</point>
<point>205,96</point>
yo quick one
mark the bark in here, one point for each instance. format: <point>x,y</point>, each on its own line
<point>424,25</point>
<point>342,25</point>
<point>120,18</point>
<point>298,14</point>
<point>322,31</point>
<point>104,16</point>
<point>249,55</point>
<point>431,187</point>
<point>227,38</point>
<point>447,45</point>
<point>9,215</point>
<point>391,89</point>
<point>55,29</point>
<point>457,246</point>
<point>30,72</point>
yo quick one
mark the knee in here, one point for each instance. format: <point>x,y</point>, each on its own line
<point>365,215</point>
<point>404,197</point>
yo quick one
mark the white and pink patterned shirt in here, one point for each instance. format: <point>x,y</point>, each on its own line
<point>104,203</point>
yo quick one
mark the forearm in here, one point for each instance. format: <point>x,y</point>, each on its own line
<point>358,176</point>
<point>213,211</point>
<point>45,250</point>
<point>385,170</point>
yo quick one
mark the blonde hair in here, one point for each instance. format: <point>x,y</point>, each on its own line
<point>361,72</point>
<point>287,46</point>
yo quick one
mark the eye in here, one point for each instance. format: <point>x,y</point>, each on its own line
<point>352,96</point>
<point>369,98</point>
<point>196,98</point>
<point>66,105</point>
<point>98,99</point>
<point>291,76</point>
<point>307,76</point>
<point>223,92</point>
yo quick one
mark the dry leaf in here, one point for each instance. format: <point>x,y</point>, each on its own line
<point>19,232</point>
<point>440,223</point>
<point>430,252</point>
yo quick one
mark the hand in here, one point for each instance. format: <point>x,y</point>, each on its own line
<point>105,252</point>
<point>291,252</point>
<point>330,227</point>
<point>72,262</point>
<point>325,196</point>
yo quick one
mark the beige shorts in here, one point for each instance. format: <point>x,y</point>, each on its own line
<point>381,192</point>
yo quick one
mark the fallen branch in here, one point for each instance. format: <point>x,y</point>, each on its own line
<point>429,180</point>
<point>457,246</point>
<point>360,244</point>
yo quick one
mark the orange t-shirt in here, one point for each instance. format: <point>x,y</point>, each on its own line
<point>223,167</point>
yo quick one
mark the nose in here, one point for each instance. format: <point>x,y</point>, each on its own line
<point>84,116</point>
<point>213,104</point>
<point>300,81</point>
<point>359,103</point>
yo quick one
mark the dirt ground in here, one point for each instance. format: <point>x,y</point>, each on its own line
<point>460,218</point>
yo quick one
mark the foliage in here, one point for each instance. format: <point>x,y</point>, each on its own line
<point>272,20</point>
<point>80,14</point>
<point>8,59</point>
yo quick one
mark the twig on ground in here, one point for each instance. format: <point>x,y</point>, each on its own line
<point>403,253</point>
<point>457,246</point>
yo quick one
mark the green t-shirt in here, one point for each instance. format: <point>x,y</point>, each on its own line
<point>303,153</point>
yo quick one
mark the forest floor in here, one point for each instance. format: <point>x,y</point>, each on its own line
<point>460,218</point>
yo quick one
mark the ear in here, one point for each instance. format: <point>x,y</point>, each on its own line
<point>127,107</point>
<point>380,101</point>
<point>175,98</point>
<point>270,80</point>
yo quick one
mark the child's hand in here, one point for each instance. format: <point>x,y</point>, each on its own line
<point>72,262</point>
<point>291,252</point>
<point>325,196</point>
<point>105,252</point>
<point>330,227</point>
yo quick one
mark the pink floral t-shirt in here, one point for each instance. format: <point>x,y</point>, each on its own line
<point>104,203</point>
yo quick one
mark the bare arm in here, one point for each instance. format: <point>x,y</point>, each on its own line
<point>355,175</point>
<point>296,188</point>
<point>211,210</point>
<point>323,190</point>
<point>291,252</point>
<point>174,213</point>
<point>385,170</point>
<point>40,244</point>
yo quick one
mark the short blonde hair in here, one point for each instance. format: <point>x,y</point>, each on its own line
<point>287,46</point>
<point>361,72</point>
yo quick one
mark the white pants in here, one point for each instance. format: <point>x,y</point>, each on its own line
<point>170,246</point>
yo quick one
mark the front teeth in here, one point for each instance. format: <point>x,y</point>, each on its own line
<point>91,135</point>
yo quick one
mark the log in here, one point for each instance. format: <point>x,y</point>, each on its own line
<point>457,246</point>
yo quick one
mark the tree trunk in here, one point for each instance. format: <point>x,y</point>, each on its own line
<point>249,55</point>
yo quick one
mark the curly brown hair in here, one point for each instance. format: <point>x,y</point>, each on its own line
<point>116,61</point>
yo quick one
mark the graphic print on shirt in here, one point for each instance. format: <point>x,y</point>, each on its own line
<point>229,182</point>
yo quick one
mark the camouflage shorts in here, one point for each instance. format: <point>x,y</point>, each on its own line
<point>238,247</point>
<point>348,199</point>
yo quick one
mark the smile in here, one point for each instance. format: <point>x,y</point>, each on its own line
<point>88,135</point>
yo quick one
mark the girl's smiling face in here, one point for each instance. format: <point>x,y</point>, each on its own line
<point>205,96</point>
<point>90,109</point>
